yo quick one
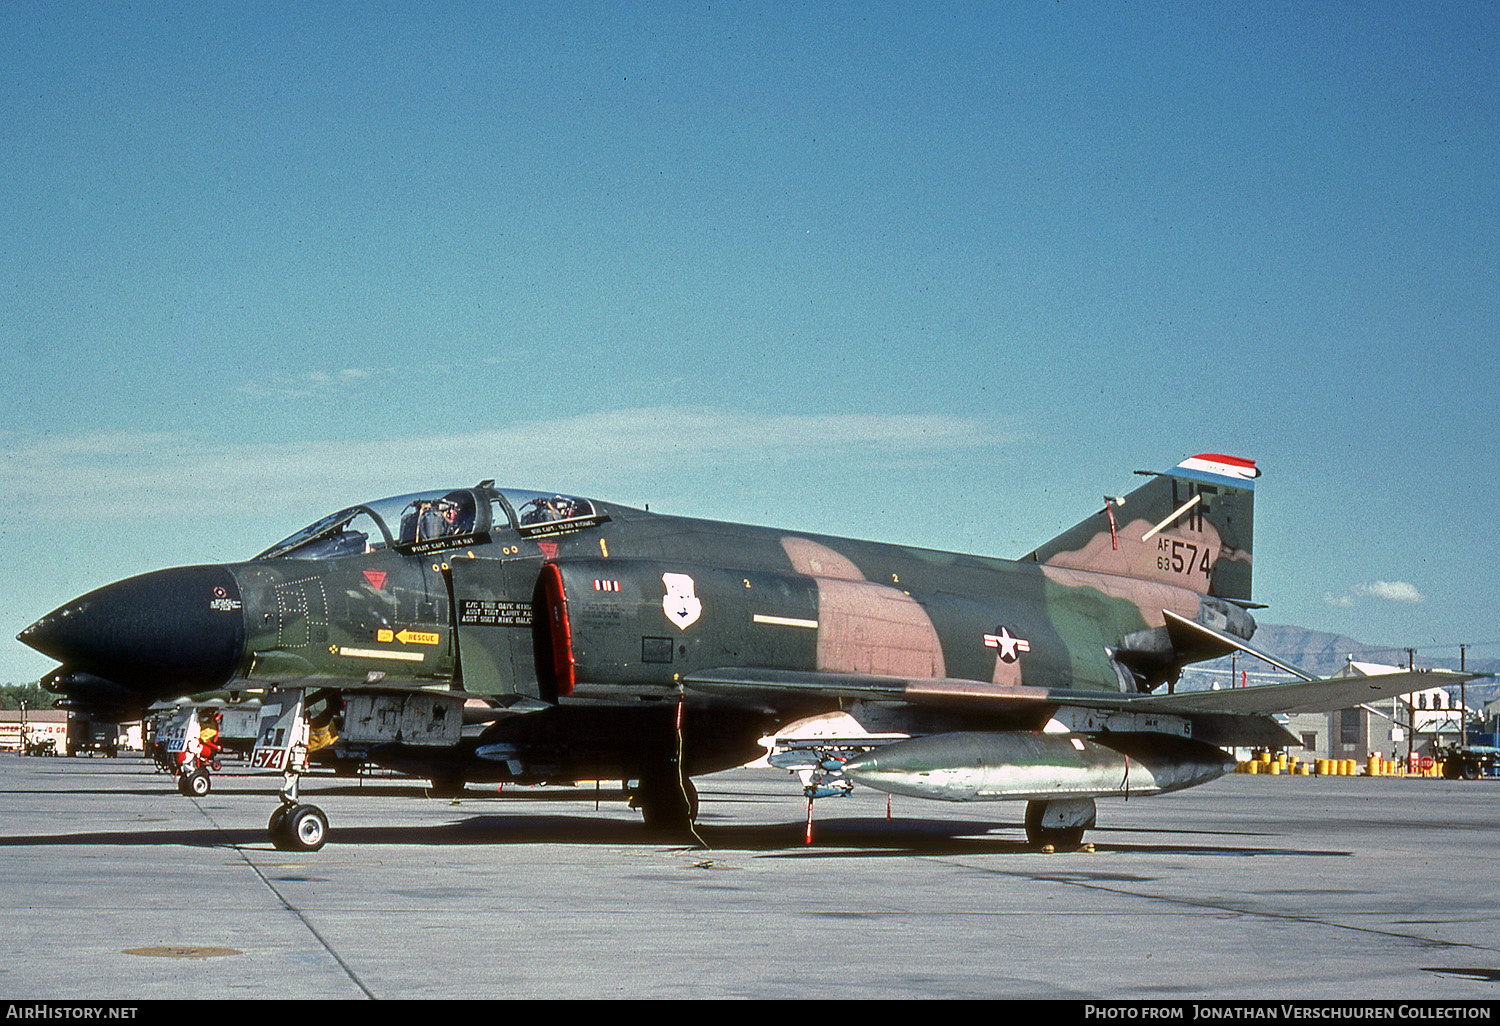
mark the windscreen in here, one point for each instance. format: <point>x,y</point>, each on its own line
<point>422,522</point>
<point>433,521</point>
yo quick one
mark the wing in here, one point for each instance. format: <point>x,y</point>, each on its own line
<point>1317,695</point>
<point>778,687</point>
<point>1228,716</point>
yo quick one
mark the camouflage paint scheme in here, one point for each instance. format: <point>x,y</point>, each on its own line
<point>616,643</point>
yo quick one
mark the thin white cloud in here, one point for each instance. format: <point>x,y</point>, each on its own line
<point>1393,591</point>
<point>127,473</point>
<point>1384,591</point>
<point>309,385</point>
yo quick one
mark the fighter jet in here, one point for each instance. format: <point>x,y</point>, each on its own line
<point>604,642</point>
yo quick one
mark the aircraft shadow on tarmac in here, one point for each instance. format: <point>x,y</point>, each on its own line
<point>832,838</point>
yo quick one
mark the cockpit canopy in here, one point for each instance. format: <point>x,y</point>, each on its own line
<point>432,521</point>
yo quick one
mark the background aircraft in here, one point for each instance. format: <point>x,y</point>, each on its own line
<point>612,643</point>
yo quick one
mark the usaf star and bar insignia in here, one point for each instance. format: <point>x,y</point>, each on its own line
<point>1007,644</point>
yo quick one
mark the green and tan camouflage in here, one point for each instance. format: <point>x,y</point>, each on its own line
<point>603,641</point>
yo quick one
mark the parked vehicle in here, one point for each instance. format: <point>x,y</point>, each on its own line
<point>86,735</point>
<point>1469,762</point>
<point>39,744</point>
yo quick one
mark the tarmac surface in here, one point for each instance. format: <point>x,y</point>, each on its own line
<point>115,887</point>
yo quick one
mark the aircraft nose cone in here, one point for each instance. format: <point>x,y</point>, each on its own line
<point>180,628</point>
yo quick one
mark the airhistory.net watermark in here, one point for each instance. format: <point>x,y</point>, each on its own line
<point>46,1011</point>
<point>1284,1010</point>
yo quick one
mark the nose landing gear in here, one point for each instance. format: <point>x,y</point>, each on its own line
<point>281,743</point>
<point>298,827</point>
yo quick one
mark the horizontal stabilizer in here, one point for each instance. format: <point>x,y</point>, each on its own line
<point>1181,628</point>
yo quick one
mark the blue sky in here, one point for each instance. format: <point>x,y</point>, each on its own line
<point>936,273</point>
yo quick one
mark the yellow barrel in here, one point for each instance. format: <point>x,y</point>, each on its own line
<point>1253,766</point>
<point>1372,766</point>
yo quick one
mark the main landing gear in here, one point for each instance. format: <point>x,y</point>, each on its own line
<point>1059,824</point>
<point>668,805</point>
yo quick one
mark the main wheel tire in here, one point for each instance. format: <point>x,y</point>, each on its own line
<point>1064,838</point>
<point>446,787</point>
<point>667,805</point>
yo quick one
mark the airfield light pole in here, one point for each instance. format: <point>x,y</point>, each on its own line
<point>1463,698</point>
<point>1411,712</point>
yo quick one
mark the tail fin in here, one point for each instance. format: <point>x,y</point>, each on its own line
<point>1190,527</point>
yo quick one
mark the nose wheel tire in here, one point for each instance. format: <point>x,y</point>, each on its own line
<point>195,784</point>
<point>298,828</point>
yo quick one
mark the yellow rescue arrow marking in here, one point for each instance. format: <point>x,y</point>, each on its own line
<point>407,637</point>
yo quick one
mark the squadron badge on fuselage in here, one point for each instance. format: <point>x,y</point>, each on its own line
<point>680,604</point>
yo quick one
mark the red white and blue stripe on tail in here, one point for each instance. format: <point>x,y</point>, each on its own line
<point>1214,468</point>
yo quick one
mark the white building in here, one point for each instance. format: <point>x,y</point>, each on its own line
<point>1416,723</point>
<point>17,725</point>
